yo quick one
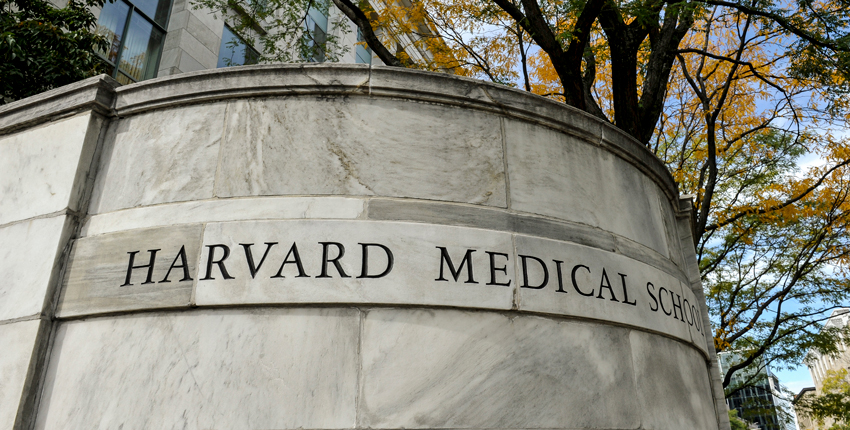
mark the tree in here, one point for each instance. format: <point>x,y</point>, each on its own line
<point>44,47</point>
<point>832,404</point>
<point>736,423</point>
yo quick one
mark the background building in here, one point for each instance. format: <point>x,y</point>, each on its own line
<point>152,38</point>
<point>819,365</point>
<point>761,401</point>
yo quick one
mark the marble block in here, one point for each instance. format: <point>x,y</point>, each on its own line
<point>39,168</point>
<point>411,279</point>
<point>474,370</point>
<point>672,384</point>
<point>98,271</point>
<point>17,342</point>
<point>600,285</point>
<point>700,334</point>
<point>360,146</point>
<point>558,175</point>
<point>159,157</point>
<point>219,210</point>
<point>28,253</point>
<point>212,369</point>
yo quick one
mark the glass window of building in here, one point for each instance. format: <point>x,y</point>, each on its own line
<point>234,51</point>
<point>362,52</point>
<point>135,31</point>
<point>317,30</point>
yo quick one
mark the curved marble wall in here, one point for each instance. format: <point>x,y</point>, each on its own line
<point>330,247</point>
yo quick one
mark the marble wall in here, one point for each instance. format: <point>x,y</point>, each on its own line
<point>334,247</point>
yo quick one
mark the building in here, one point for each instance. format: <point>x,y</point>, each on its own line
<point>152,38</point>
<point>819,365</point>
<point>804,422</point>
<point>761,402</point>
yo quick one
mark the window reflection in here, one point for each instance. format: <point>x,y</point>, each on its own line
<point>135,32</point>
<point>111,26</point>
<point>234,51</point>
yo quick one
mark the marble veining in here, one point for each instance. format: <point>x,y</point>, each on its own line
<point>38,168</point>
<point>159,157</point>
<point>358,146</point>
<point>672,384</point>
<point>454,369</point>
<point>221,369</point>
<point>558,175</point>
<point>28,253</point>
<point>17,341</point>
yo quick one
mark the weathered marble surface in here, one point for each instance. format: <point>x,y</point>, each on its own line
<point>159,157</point>
<point>222,369</point>
<point>360,146</point>
<point>219,210</point>
<point>17,341</point>
<point>557,175</point>
<point>28,253</point>
<point>39,166</point>
<point>98,266</point>
<point>416,264</point>
<point>672,384</point>
<point>592,298</point>
<point>452,369</point>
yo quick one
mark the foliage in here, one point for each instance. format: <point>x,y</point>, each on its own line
<point>736,423</point>
<point>44,47</point>
<point>833,402</point>
<point>277,28</point>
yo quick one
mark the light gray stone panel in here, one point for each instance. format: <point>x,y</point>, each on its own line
<point>361,146</point>
<point>594,271</point>
<point>672,384</point>
<point>700,334</point>
<point>412,280</point>
<point>222,369</point>
<point>207,29</point>
<point>225,210</point>
<point>28,253</point>
<point>98,266</point>
<point>159,157</point>
<point>187,63</point>
<point>38,168</point>
<point>557,175</point>
<point>453,369</point>
<point>527,224</point>
<point>17,341</point>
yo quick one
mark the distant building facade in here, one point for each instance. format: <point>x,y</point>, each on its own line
<point>153,38</point>
<point>760,403</point>
<point>819,365</point>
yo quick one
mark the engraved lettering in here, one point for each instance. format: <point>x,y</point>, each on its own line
<point>296,259</point>
<point>493,268</point>
<point>446,259</point>
<point>364,267</point>
<point>250,257</point>
<point>184,264</point>
<point>575,284</point>
<point>220,262</point>
<point>334,261</point>
<point>523,260</point>
<point>130,267</point>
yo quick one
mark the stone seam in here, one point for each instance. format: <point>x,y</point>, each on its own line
<point>369,306</point>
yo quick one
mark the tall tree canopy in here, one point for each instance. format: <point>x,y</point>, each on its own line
<point>44,47</point>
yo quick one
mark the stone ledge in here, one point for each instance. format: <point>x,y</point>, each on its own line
<point>96,93</point>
